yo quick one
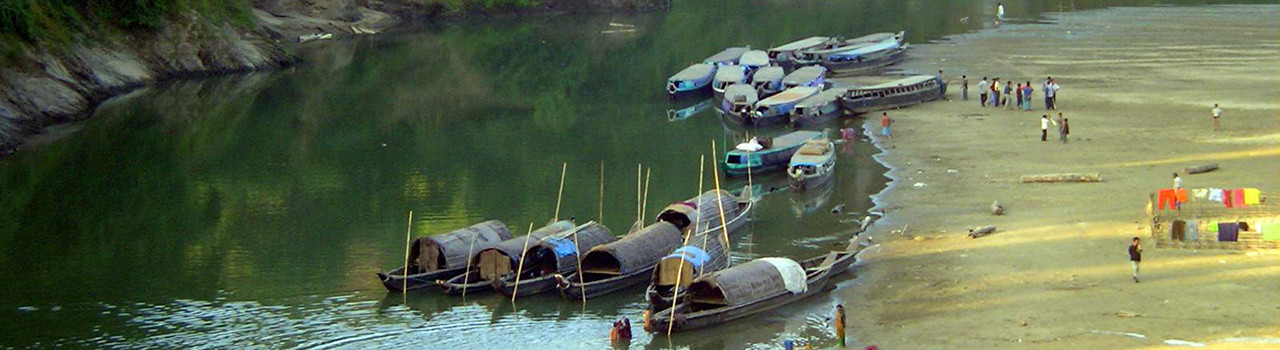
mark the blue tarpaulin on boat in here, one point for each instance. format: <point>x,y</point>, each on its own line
<point>563,247</point>
<point>692,254</point>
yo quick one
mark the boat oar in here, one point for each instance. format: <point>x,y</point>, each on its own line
<point>560,194</point>
<point>520,267</point>
<point>724,228</point>
<point>466,274</point>
<point>408,245</point>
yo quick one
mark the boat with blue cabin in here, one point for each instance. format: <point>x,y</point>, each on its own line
<point>818,109</point>
<point>738,98</point>
<point>776,109</point>
<point>895,94</point>
<point>728,75</point>
<point>727,57</point>
<point>768,80</point>
<point>753,60</point>
<point>763,154</point>
<point>783,54</point>
<point>694,80</point>
<point>806,76</point>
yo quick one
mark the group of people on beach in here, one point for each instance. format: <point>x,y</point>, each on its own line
<point>989,93</point>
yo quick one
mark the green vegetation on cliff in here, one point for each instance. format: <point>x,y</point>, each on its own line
<point>61,21</point>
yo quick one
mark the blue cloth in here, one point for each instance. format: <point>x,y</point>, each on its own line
<point>1193,231</point>
<point>1228,231</point>
<point>692,254</point>
<point>562,247</point>
<point>885,131</point>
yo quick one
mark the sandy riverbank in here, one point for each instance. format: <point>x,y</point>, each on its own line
<point>1137,86</point>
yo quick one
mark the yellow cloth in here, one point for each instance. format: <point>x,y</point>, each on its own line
<point>1252,196</point>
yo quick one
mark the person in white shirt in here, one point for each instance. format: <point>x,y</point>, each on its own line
<point>1044,127</point>
<point>1177,181</point>
<point>999,13</point>
<point>982,91</point>
<point>1217,113</point>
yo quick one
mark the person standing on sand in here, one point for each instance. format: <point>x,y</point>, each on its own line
<point>944,86</point>
<point>885,121</point>
<point>1017,91</point>
<point>982,92</point>
<point>1044,127</point>
<point>1026,95</point>
<point>1048,93</point>
<point>964,85</point>
<point>1064,128</point>
<point>840,325</point>
<point>1135,257</point>
<point>1008,94</point>
<point>999,13</point>
<point>1177,181</point>
<point>995,92</point>
<point>1217,113</point>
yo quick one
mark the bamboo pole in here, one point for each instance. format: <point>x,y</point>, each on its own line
<point>675,294</point>
<point>520,267</point>
<point>582,281</point>
<point>466,274</point>
<point>600,213</point>
<point>560,194</point>
<point>408,245</point>
<point>639,172</point>
<point>724,226</point>
<point>644,208</point>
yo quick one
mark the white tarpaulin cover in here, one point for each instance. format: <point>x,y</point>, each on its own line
<point>792,273</point>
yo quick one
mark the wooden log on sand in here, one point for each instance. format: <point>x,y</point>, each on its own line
<point>1074,177</point>
<point>1200,169</point>
<point>996,208</point>
<point>982,231</point>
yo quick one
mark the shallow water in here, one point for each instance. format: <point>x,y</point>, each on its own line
<point>253,210</point>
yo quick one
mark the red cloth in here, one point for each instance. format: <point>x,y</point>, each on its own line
<point>1237,198</point>
<point>1167,195</point>
<point>1226,198</point>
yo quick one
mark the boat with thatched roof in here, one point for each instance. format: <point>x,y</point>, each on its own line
<point>630,260</point>
<point>813,165</point>
<point>751,288</point>
<point>895,94</point>
<point>443,256</point>
<point>763,154</point>
<point>556,255</point>
<point>492,262</point>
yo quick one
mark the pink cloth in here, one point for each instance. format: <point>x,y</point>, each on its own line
<point>1237,198</point>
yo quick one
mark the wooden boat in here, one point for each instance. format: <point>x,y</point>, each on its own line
<point>552,256</point>
<point>725,76</point>
<point>630,260</point>
<point>895,94</point>
<point>858,55</point>
<point>691,81</point>
<point>751,288</point>
<point>443,256</point>
<point>775,109</point>
<point>674,114</point>
<point>783,54</point>
<point>768,80</point>
<point>753,60</point>
<point>704,251</point>
<point>813,76</point>
<point>760,155</point>
<point>818,109</point>
<point>810,56</point>
<point>727,56</point>
<point>813,165</point>
<point>494,261</point>
<point>738,98</point>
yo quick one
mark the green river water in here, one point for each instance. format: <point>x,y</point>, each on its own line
<point>251,211</point>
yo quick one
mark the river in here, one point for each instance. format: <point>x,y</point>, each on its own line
<point>251,211</point>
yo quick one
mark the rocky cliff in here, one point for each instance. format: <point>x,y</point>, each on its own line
<point>47,85</point>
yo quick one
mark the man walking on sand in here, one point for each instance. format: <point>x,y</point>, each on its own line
<point>982,92</point>
<point>1044,127</point>
<point>839,325</point>
<point>1135,257</point>
<point>1049,93</point>
<point>995,92</point>
<point>885,121</point>
<point>1217,113</point>
<point>1008,94</point>
<point>1064,128</point>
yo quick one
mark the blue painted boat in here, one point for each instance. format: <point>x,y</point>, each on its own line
<point>764,154</point>
<point>727,57</point>
<point>768,80</point>
<point>728,75</point>
<point>806,76</point>
<point>691,81</point>
<point>776,109</point>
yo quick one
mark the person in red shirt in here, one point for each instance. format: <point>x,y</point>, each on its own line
<point>885,121</point>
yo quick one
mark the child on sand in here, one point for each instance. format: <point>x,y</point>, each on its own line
<point>1135,257</point>
<point>885,121</point>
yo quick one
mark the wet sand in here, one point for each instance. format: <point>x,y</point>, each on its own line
<point>1137,85</point>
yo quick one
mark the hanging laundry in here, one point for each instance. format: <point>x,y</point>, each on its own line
<point>1271,231</point>
<point>1228,231</point>
<point>1252,196</point>
<point>1193,231</point>
<point>1182,195</point>
<point>1237,198</point>
<point>1211,227</point>
<point>1215,194</point>
<point>1179,230</point>
<point>1167,195</point>
<point>1200,193</point>
<point>1226,198</point>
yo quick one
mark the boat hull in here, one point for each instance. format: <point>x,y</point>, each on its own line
<point>394,281</point>
<point>806,182</point>
<point>770,161</point>
<point>574,290</point>
<point>805,121</point>
<point>890,102</point>
<point>866,65</point>
<point>455,286</point>
<point>532,286</point>
<point>701,91</point>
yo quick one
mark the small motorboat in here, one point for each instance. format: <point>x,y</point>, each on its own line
<point>728,56</point>
<point>782,55</point>
<point>818,109</point>
<point>694,80</point>
<point>776,109</point>
<point>728,75</point>
<point>738,99</point>
<point>813,76</point>
<point>813,165</point>
<point>768,81</point>
<point>762,154</point>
